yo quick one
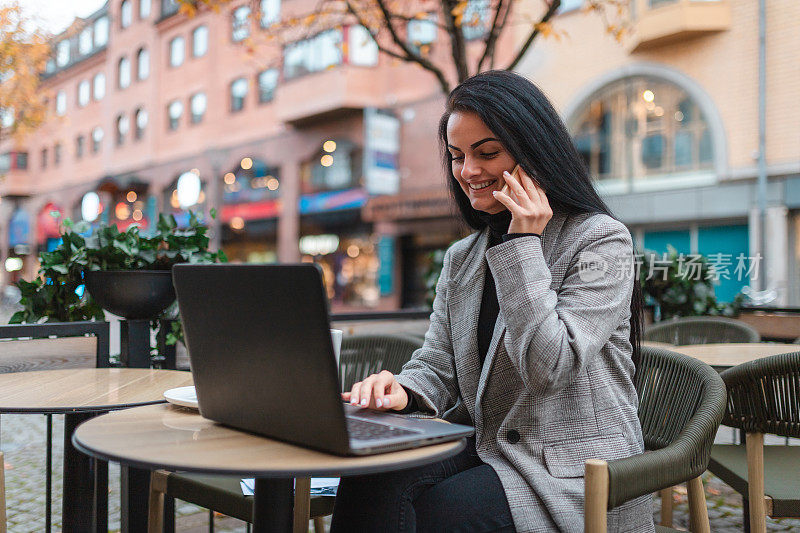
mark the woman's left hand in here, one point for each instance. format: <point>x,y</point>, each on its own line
<point>530,210</point>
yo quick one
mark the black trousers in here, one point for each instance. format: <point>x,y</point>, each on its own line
<point>458,494</point>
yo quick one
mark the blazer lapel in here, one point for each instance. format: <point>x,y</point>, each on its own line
<point>497,337</point>
<point>464,301</point>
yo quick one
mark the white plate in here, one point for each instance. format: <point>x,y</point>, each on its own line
<point>183,396</point>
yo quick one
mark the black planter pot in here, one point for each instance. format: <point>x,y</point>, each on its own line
<point>132,294</point>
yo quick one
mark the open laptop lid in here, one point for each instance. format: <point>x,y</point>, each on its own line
<point>260,350</point>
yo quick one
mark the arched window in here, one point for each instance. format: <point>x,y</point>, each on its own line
<point>126,14</point>
<point>240,24</point>
<point>197,105</point>
<point>124,71</point>
<point>140,117</point>
<point>99,86</point>
<point>142,64</point>
<point>641,127</point>
<point>174,112</point>
<point>123,126</point>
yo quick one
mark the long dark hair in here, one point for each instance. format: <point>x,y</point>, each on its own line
<point>528,126</point>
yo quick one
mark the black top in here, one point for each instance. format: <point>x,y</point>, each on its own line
<point>490,307</point>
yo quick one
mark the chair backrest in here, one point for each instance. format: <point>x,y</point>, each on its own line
<point>51,345</point>
<point>701,330</point>
<point>362,355</point>
<point>681,403</point>
<point>764,395</point>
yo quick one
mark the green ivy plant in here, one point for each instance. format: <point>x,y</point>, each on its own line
<point>52,295</point>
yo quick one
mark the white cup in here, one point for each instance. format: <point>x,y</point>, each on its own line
<point>336,339</point>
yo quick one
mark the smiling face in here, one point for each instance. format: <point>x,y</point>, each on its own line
<point>478,160</point>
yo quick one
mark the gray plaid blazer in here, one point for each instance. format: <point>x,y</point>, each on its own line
<point>556,385</point>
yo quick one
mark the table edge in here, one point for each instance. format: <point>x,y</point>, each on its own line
<point>69,410</point>
<point>322,472</point>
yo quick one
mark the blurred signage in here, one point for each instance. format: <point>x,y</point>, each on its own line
<point>332,201</point>
<point>251,211</point>
<point>423,204</point>
<point>19,229</point>
<point>381,149</point>
<point>318,244</point>
<point>386,264</point>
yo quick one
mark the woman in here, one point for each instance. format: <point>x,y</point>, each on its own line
<point>534,326</point>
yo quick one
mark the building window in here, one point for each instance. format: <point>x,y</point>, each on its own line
<point>168,7</point>
<point>475,20</point>
<point>238,94</point>
<point>176,52</point>
<point>99,86</point>
<point>641,127</point>
<point>124,72</point>
<point>100,32</point>
<point>174,112</point>
<point>126,14</point>
<point>62,53</point>
<point>97,139</point>
<point>422,32</point>
<point>267,82</point>
<point>140,117</point>
<point>569,5</point>
<point>22,160</point>
<point>200,41</point>
<point>61,103</point>
<point>312,55</point>
<point>84,93</point>
<point>123,126</point>
<point>142,64</point>
<point>332,170</point>
<point>85,42</point>
<point>7,117</point>
<point>80,146</point>
<point>57,154</point>
<point>197,106</point>
<point>44,158</point>
<point>270,12</point>
<point>240,24</point>
<point>362,50</point>
<point>144,8</point>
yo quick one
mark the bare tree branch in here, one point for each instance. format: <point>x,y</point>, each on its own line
<point>551,11</point>
<point>412,56</point>
<point>498,24</point>
<point>457,47</point>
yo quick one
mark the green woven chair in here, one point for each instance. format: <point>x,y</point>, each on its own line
<point>701,330</point>
<point>360,356</point>
<point>763,397</point>
<point>681,403</point>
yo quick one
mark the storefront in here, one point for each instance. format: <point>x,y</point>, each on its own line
<point>411,227</point>
<point>250,210</point>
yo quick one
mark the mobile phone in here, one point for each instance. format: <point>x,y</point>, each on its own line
<point>506,189</point>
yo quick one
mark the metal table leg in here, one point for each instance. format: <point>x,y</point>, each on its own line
<point>273,506</point>
<point>79,498</point>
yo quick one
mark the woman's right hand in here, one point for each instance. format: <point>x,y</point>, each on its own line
<point>378,391</point>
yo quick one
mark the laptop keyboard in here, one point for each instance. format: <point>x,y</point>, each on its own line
<point>360,429</point>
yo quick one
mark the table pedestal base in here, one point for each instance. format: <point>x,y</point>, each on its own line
<point>86,496</point>
<point>273,506</point>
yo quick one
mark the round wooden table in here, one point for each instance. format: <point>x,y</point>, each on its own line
<point>726,355</point>
<point>174,438</point>
<point>80,394</point>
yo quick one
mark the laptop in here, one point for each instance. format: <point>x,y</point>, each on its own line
<point>262,360</point>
